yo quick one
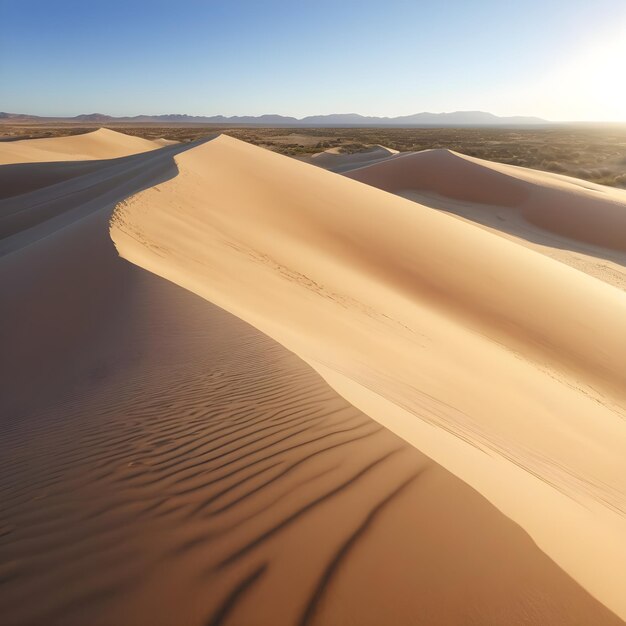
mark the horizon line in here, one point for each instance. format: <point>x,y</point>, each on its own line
<point>537,119</point>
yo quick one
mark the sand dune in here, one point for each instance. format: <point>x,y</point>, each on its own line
<point>161,141</point>
<point>336,161</point>
<point>501,364</point>
<point>177,465</point>
<point>99,144</point>
<point>575,221</point>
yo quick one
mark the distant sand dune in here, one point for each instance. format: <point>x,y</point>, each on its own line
<point>161,141</point>
<point>162,461</point>
<point>99,144</point>
<point>573,221</point>
<point>336,161</point>
<point>567,207</point>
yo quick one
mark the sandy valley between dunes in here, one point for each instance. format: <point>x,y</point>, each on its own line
<point>240,389</point>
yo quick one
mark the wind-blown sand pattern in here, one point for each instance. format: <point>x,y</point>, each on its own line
<point>164,462</point>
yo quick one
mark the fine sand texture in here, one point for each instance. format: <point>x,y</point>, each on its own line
<point>502,364</point>
<point>164,462</point>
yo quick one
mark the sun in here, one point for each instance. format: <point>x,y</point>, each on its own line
<point>592,82</point>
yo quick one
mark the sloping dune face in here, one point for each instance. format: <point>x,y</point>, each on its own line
<point>503,365</point>
<point>99,144</point>
<point>163,462</point>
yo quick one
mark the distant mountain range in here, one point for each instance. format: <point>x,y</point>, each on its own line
<point>458,118</point>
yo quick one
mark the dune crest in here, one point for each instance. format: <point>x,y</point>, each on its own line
<point>501,364</point>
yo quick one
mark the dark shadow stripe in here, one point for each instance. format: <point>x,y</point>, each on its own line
<point>305,509</point>
<point>333,566</point>
<point>235,595</point>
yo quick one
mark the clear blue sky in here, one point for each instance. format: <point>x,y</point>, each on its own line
<point>388,57</point>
